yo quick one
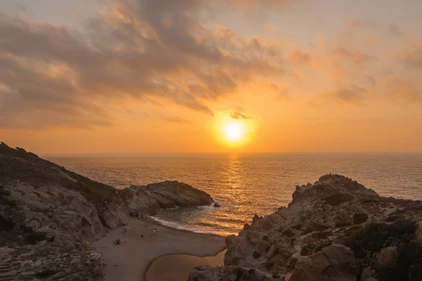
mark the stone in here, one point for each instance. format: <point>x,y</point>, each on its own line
<point>95,256</point>
<point>368,274</point>
<point>202,267</point>
<point>387,257</point>
<point>341,259</point>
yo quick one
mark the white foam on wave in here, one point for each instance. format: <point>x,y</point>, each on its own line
<point>187,228</point>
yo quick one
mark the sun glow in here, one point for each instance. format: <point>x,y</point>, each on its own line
<point>234,131</point>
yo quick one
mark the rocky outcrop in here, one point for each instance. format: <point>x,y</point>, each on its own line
<point>335,229</point>
<point>49,216</point>
<point>148,199</point>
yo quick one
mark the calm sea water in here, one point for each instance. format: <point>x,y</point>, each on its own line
<point>250,184</point>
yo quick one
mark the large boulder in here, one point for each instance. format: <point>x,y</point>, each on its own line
<point>335,263</point>
<point>169,194</point>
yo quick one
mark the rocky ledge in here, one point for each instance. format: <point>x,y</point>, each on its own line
<point>49,216</point>
<point>333,230</point>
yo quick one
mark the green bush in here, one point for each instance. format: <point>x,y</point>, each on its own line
<point>408,266</point>
<point>373,237</point>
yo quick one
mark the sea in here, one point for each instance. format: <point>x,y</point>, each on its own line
<point>248,184</point>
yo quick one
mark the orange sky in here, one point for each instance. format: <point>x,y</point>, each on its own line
<point>143,76</point>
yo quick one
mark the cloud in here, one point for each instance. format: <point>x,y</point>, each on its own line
<point>139,115</point>
<point>356,56</point>
<point>238,115</point>
<point>177,119</point>
<point>412,57</point>
<point>30,98</point>
<point>364,24</point>
<point>406,90</point>
<point>300,57</point>
<point>140,49</point>
<point>260,3</point>
<point>394,30</point>
<point>351,94</point>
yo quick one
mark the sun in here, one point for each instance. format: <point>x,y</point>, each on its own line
<point>234,131</point>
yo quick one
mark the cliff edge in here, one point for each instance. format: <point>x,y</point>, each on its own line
<point>336,230</point>
<point>49,216</point>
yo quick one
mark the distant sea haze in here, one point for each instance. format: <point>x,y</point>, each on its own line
<point>250,184</point>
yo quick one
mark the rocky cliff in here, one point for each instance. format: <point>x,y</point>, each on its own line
<point>49,216</point>
<point>333,230</point>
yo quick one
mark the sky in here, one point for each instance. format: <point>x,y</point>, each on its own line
<point>197,76</point>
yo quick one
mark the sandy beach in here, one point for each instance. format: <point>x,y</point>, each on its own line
<point>178,267</point>
<point>141,245</point>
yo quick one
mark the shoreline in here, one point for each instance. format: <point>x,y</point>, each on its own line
<point>174,225</point>
<point>168,224</point>
<point>143,241</point>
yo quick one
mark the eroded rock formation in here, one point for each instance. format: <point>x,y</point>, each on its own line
<point>335,229</point>
<point>49,216</point>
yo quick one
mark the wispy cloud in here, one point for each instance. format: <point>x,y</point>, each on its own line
<point>356,56</point>
<point>412,57</point>
<point>239,115</point>
<point>176,119</point>
<point>300,57</point>
<point>351,94</point>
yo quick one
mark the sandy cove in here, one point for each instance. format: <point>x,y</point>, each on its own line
<point>140,246</point>
<point>49,217</point>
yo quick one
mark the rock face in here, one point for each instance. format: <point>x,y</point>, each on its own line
<point>49,216</point>
<point>335,229</point>
<point>148,199</point>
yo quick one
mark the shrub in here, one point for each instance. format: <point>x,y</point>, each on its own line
<point>376,236</point>
<point>408,266</point>
<point>338,198</point>
<point>360,218</point>
<point>366,242</point>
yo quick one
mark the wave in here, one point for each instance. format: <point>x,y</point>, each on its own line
<point>190,228</point>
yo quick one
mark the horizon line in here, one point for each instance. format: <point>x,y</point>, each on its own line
<point>152,154</point>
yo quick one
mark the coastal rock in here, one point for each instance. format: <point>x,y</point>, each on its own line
<point>150,198</point>
<point>335,229</point>
<point>49,216</point>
